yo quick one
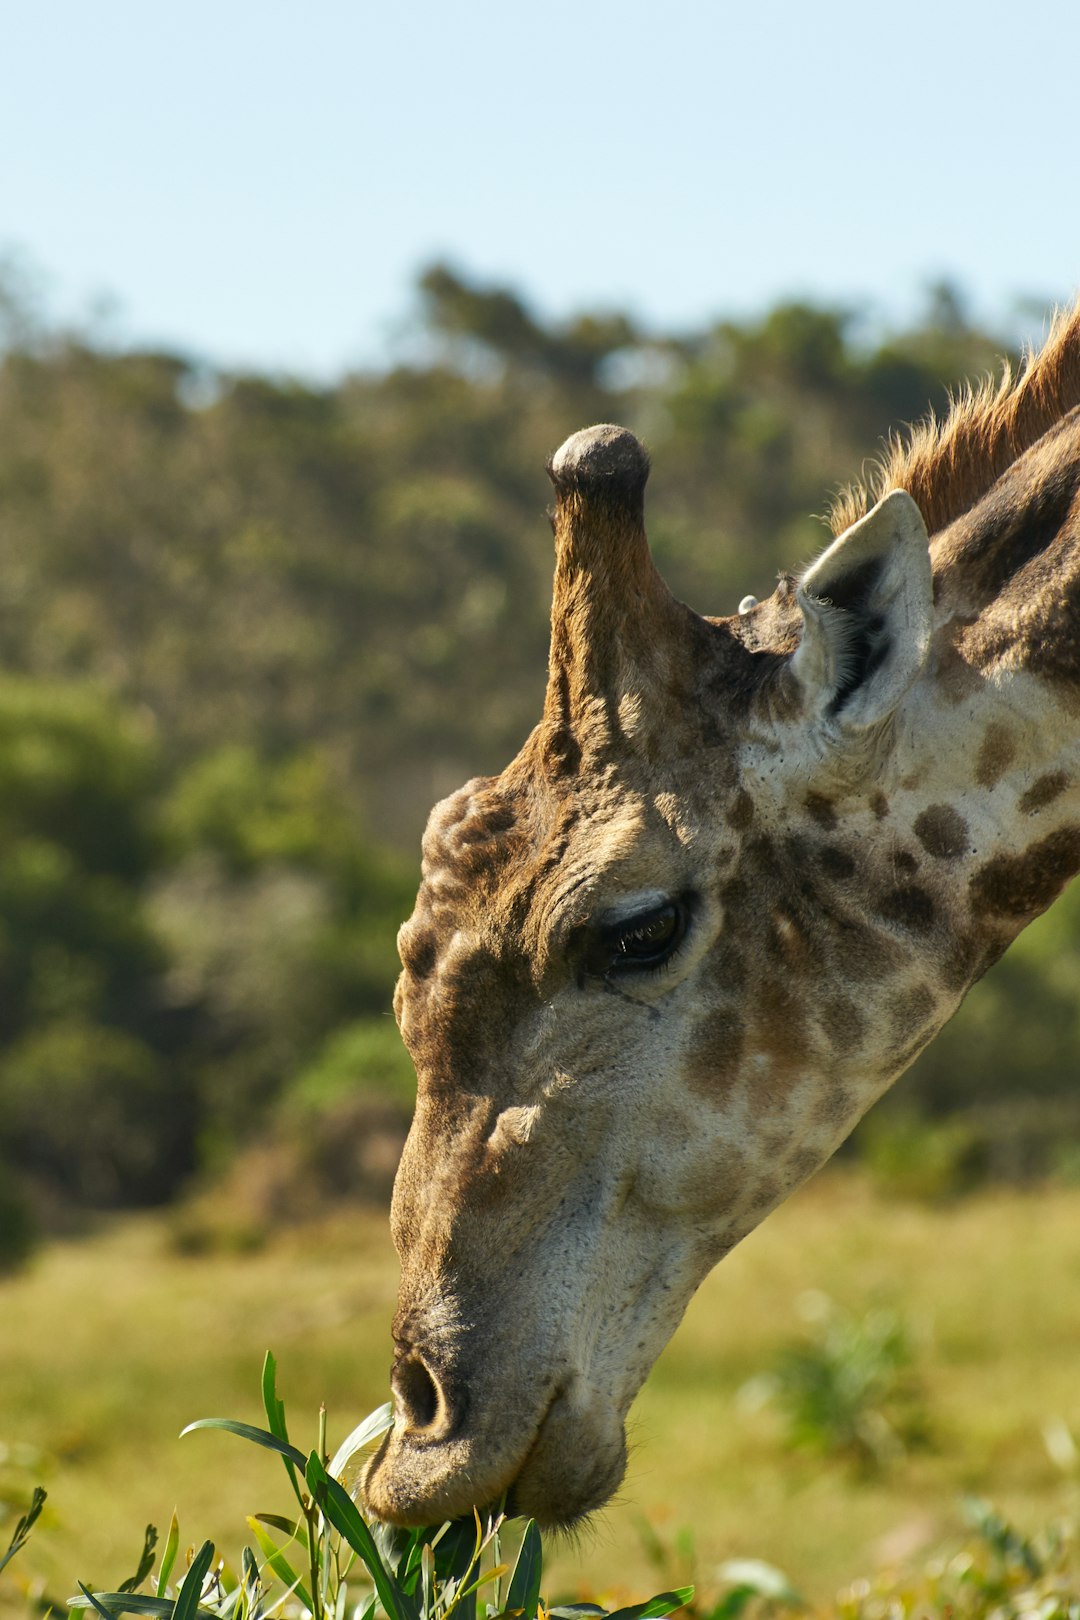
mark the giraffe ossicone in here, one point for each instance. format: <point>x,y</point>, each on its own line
<point>736,879</point>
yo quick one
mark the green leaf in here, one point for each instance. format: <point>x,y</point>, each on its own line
<point>89,1601</point>
<point>1000,1536</point>
<point>524,1590</point>
<point>116,1603</point>
<point>340,1509</point>
<point>146,1562</point>
<point>278,1521</point>
<point>274,1407</point>
<point>187,1599</point>
<point>247,1431</point>
<point>280,1565</point>
<point>275,1416</point>
<point>457,1553</point>
<point>576,1611</point>
<point>374,1426</point>
<point>662,1603</point>
<point>25,1525</point>
<point>399,1549</point>
<point>732,1604</point>
<point>252,1583</point>
<point>168,1557</point>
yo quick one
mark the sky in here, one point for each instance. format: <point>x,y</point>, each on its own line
<point>258,184</point>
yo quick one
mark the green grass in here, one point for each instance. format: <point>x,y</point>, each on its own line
<point>325,1560</point>
<point>109,1346</point>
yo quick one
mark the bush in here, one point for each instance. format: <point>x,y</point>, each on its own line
<point>329,1561</point>
<point>930,1160</point>
<point>366,1057</point>
<point>95,1113</point>
<point>17,1226</point>
<point>848,1389</point>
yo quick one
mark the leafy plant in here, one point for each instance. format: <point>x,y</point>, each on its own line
<point>748,1586</point>
<point>330,1561</point>
<point>928,1160</point>
<point>23,1527</point>
<point>848,1389</point>
<point>997,1574</point>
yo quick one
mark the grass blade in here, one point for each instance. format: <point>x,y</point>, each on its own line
<point>456,1557</point>
<point>663,1603</point>
<point>25,1525</point>
<point>524,1590</point>
<point>278,1521</point>
<point>116,1603</point>
<point>146,1562</point>
<point>339,1508</point>
<point>168,1557</point>
<point>274,1407</point>
<point>186,1606</point>
<point>252,1584</point>
<point>280,1565</point>
<point>89,1601</point>
<point>374,1426</point>
<point>248,1431</point>
<point>456,1550</point>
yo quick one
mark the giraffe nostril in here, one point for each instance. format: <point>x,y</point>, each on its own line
<point>416,1392</point>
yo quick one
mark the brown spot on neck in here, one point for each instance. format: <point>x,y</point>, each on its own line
<point>781,1033</point>
<point>716,1054</point>
<point>909,908</point>
<point>843,1023</point>
<point>879,804</point>
<point>834,1107</point>
<point>910,1012</point>
<point>996,753</point>
<point>835,862</point>
<point>801,1164</point>
<point>1043,792</point>
<point>821,810</point>
<point>1019,886</point>
<point>942,832</point>
<point>740,812</point>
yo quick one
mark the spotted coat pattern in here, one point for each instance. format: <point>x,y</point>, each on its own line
<point>835,809</point>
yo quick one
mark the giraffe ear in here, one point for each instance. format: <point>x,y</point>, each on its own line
<point>866,606</point>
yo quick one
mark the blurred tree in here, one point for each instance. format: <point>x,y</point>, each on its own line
<point>279,919</point>
<point>252,629</point>
<point>90,1098</point>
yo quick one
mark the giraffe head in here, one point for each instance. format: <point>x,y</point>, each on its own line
<point>657,970</point>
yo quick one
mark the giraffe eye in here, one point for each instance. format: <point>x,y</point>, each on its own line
<point>641,942</point>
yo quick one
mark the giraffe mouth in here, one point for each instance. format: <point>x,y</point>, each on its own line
<point>572,1464</point>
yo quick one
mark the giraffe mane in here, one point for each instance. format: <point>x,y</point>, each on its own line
<point>948,463</point>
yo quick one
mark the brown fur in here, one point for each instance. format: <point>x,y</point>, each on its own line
<point>1043,792</point>
<point>948,464</point>
<point>589,1140</point>
<point>1023,885</point>
<point>942,832</point>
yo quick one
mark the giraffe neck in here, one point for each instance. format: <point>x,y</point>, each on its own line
<point>986,767</point>
<point>1007,573</point>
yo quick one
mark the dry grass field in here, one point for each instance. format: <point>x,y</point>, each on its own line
<point>109,1345</point>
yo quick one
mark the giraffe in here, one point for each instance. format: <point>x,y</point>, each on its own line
<point>736,879</point>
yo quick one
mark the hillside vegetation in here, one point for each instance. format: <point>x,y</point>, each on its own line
<point>250,629</point>
<point>109,1346</point>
